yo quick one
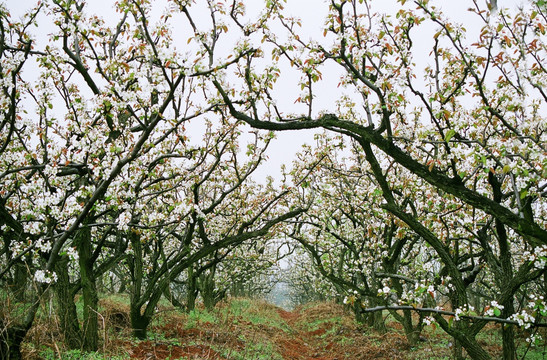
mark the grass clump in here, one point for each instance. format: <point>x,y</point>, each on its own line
<point>198,316</point>
<point>49,354</point>
<point>254,312</point>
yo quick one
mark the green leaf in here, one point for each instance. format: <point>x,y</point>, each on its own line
<point>449,134</point>
<point>377,192</point>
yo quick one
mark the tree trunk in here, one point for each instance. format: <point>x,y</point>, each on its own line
<point>20,280</point>
<point>11,337</point>
<point>508,333</point>
<point>357,311</point>
<point>412,332</point>
<point>465,339</point>
<point>139,323</point>
<point>474,350</point>
<point>123,285</point>
<point>66,308</point>
<point>208,298</point>
<point>192,290</point>
<point>376,319</point>
<point>207,288</point>
<point>457,350</point>
<point>89,291</point>
<point>378,322</point>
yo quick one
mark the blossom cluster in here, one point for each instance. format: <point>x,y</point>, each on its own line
<point>466,310</point>
<point>494,309</point>
<point>44,276</point>
<point>538,257</point>
<point>523,319</point>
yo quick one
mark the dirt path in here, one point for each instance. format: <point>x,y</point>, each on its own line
<point>303,344</point>
<point>250,330</point>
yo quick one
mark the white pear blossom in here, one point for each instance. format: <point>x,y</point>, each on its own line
<point>44,276</point>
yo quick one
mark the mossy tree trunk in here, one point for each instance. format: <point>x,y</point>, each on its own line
<point>139,323</point>
<point>191,289</point>
<point>376,319</point>
<point>89,290</point>
<point>505,273</point>
<point>66,308</point>
<point>207,287</point>
<point>140,315</point>
<point>168,294</point>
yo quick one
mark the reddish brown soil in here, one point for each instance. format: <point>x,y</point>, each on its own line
<point>304,345</point>
<point>298,343</point>
<point>149,350</point>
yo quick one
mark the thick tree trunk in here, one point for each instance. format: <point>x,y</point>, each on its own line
<point>508,336</point>
<point>463,339</point>
<point>208,298</point>
<point>509,350</point>
<point>378,322</point>
<point>89,291</point>
<point>357,311</point>
<point>66,308</point>
<point>457,350</point>
<point>376,319</point>
<point>508,333</point>
<point>139,323</point>
<point>474,350</point>
<point>412,332</point>
<point>12,336</point>
<point>140,319</point>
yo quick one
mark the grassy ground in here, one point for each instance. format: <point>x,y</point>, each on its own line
<point>243,329</point>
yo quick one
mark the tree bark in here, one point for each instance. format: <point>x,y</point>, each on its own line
<point>66,308</point>
<point>89,290</point>
<point>139,323</point>
<point>207,288</point>
<point>192,290</point>
<point>508,333</point>
<point>20,280</point>
<point>376,319</point>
